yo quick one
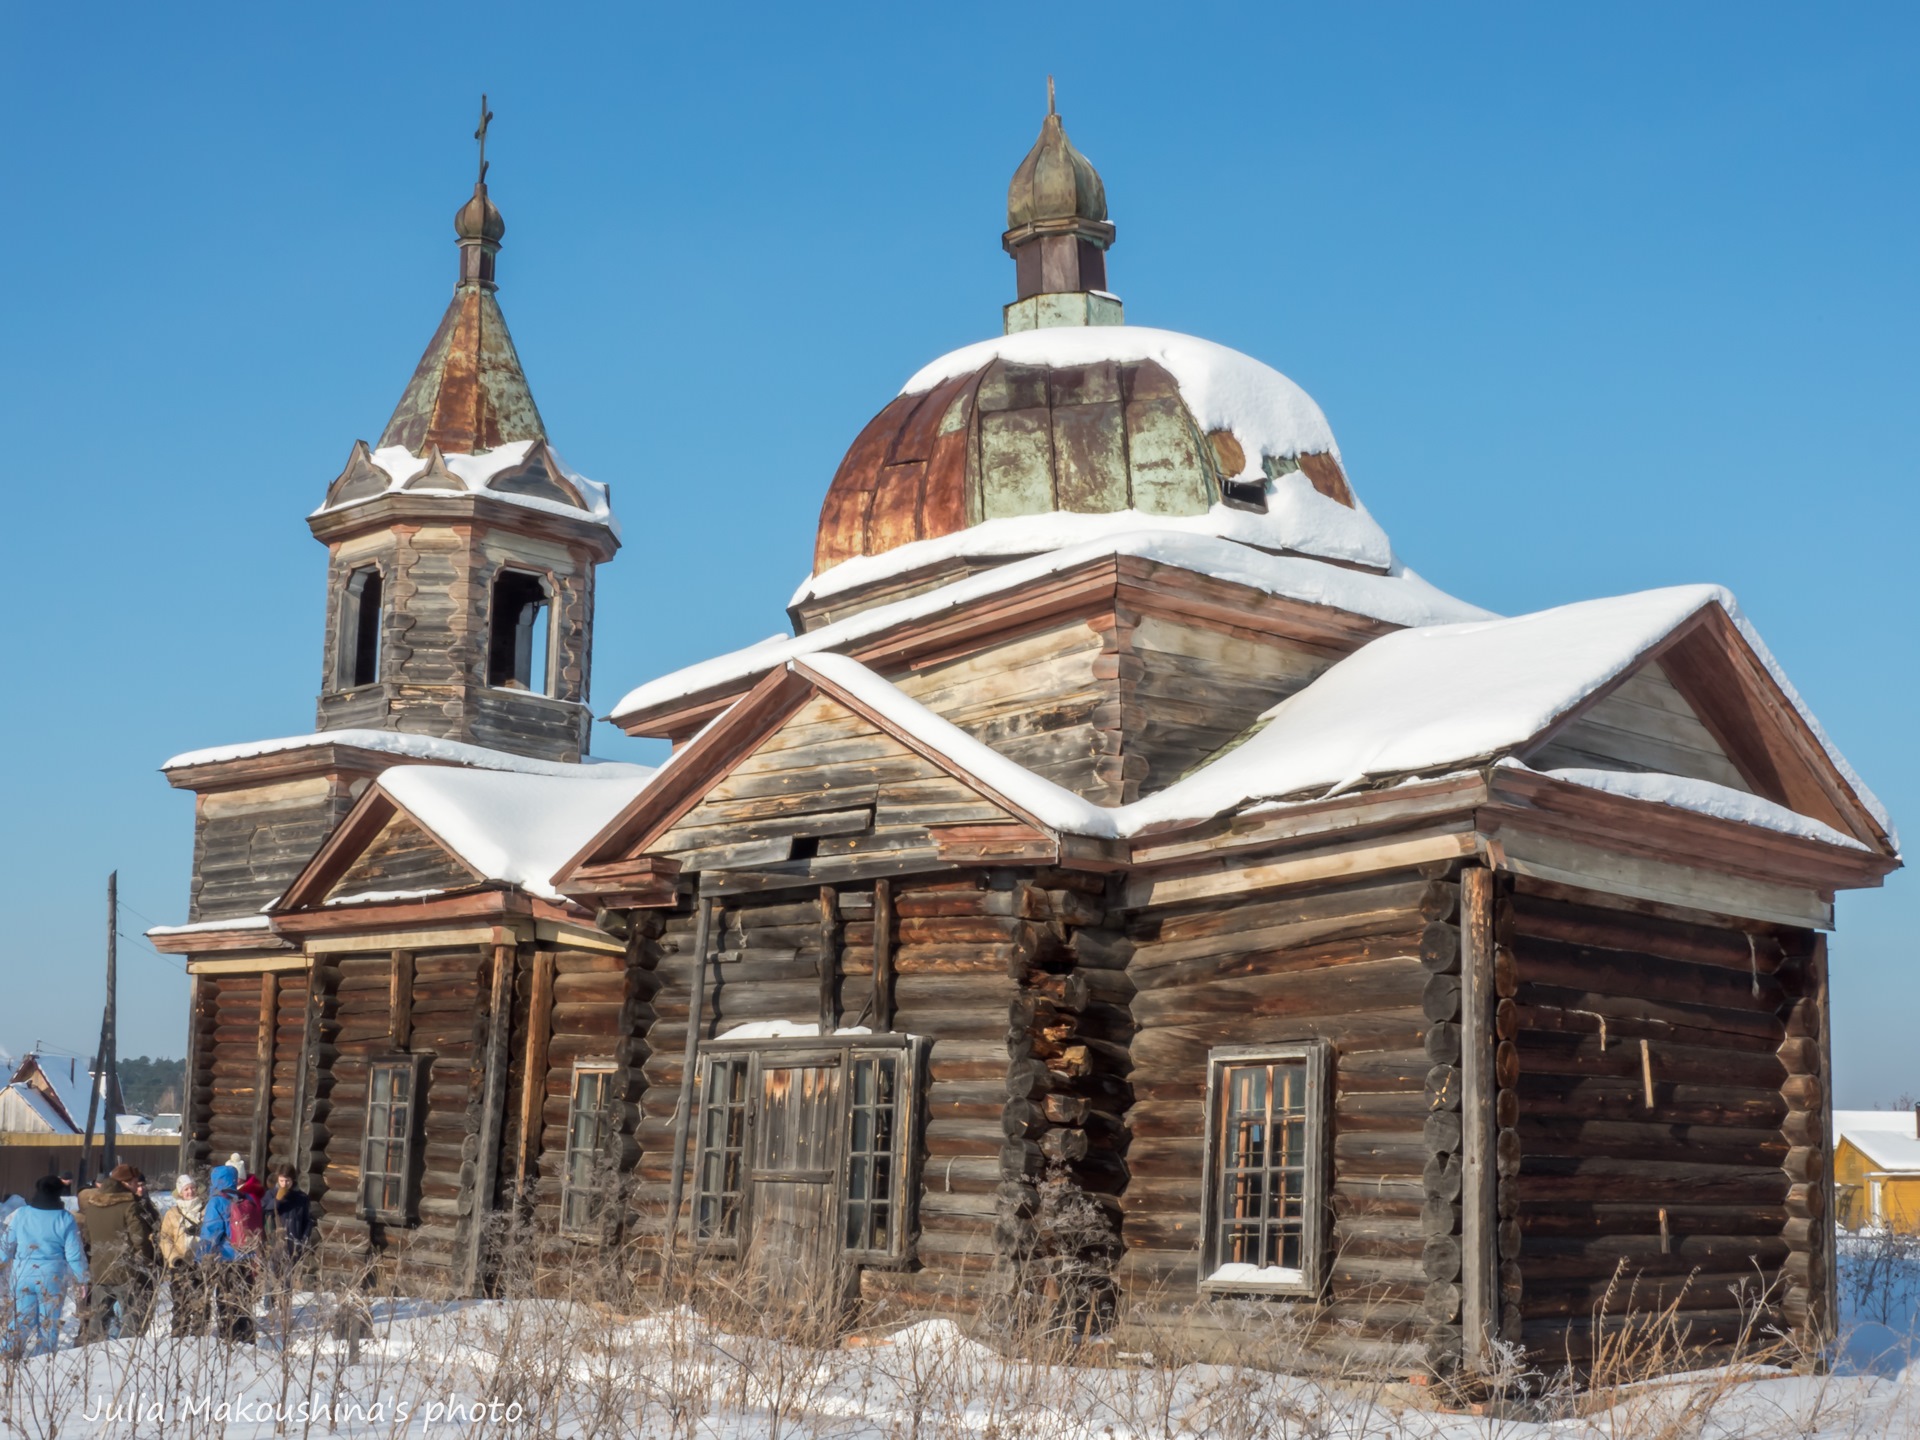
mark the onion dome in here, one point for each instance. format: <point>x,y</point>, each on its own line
<point>479,219</point>
<point>1058,234</point>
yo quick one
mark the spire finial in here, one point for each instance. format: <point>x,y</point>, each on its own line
<point>1058,233</point>
<point>486,118</point>
<point>1051,109</point>
<point>478,225</point>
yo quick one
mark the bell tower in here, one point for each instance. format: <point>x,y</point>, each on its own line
<point>461,550</point>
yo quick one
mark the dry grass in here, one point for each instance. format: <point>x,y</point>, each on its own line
<point>591,1345</point>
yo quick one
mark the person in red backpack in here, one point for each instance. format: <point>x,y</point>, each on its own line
<point>247,1222</point>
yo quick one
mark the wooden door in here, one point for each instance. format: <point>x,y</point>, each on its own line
<point>793,1251</point>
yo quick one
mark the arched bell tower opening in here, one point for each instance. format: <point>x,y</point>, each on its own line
<point>461,548</point>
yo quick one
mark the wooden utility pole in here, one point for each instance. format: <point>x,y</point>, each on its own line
<point>109,1065</point>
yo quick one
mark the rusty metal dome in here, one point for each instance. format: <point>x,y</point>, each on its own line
<point>479,218</point>
<point>1101,435</point>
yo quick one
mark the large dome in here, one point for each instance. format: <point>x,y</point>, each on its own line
<point>1097,427</point>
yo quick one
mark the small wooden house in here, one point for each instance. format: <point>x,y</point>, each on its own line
<point>1129,888</point>
<point>1876,1170</point>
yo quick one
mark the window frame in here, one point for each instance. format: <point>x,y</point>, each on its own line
<point>352,627</point>
<point>418,1069</point>
<point>606,1130</point>
<point>907,1052</point>
<point>540,666</point>
<point>1314,1056</point>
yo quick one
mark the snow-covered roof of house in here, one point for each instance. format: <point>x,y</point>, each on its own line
<point>385,742</point>
<point>515,828</point>
<point>1889,1138</point>
<point>41,1107</point>
<point>67,1078</point>
<point>1400,597</point>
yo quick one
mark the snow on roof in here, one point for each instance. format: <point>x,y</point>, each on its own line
<point>42,1107</point>
<point>1437,696</point>
<point>204,927</point>
<point>1399,598</point>
<point>1416,701</point>
<point>1886,1137</point>
<point>477,473</point>
<point>386,742</point>
<point>1267,413</point>
<point>516,828</point>
<point>1704,797</point>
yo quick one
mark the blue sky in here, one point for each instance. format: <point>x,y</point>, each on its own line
<point>1596,298</point>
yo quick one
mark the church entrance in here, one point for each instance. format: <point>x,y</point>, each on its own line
<point>792,1251</point>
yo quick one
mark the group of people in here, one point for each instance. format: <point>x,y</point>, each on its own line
<point>213,1250</point>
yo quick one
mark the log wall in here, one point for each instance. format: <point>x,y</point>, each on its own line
<point>249,845</point>
<point>1338,963</point>
<point>1658,1119</point>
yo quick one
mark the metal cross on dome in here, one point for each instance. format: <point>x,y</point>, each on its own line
<point>486,117</point>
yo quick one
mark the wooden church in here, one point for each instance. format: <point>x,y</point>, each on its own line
<point>1129,887</point>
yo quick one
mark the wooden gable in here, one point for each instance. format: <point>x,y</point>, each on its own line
<point>1702,704</point>
<point>801,784</point>
<point>401,857</point>
<point>377,849</point>
<point>1643,723</point>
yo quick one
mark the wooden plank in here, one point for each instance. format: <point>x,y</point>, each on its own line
<point>1588,867</point>
<point>1328,864</point>
<point>533,1069</point>
<point>400,1000</point>
<point>263,1071</point>
<point>829,962</point>
<point>1479,1180</point>
<point>498,1025</point>
<point>883,923</point>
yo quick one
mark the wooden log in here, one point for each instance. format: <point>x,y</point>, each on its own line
<point>1443,1043</point>
<point>1440,948</point>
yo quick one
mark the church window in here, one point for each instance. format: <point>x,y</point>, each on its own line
<point>589,1130</point>
<point>389,1147</point>
<point>1265,1202</point>
<point>360,630</point>
<point>517,638</point>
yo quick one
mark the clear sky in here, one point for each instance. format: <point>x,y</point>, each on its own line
<point>1595,297</point>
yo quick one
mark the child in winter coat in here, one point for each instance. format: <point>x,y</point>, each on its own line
<point>42,1255</point>
<point>179,1238</point>
<point>223,1241</point>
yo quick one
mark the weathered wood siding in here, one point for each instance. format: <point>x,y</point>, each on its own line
<point>1339,963</point>
<point>231,1035</point>
<point>438,583</point>
<point>1645,724</point>
<point>1044,700</point>
<point>447,1020</point>
<point>1194,688</point>
<point>861,800</point>
<point>402,857</point>
<point>248,845</point>
<point>1663,1118</point>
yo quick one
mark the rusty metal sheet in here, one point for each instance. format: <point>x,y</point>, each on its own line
<point>1093,384</point>
<point>1148,380</point>
<point>895,516</point>
<point>1327,477</point>
<point>1016,462</point>
<point>1012,387</point>
<point>1090,457</point>
<point>943,504</point>
<point>1167,474</point>
<point>843,522</point>
<point>914,440</point>
<point>468,392</point>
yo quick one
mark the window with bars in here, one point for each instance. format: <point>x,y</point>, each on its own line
<point>721,1188</point>
<point>1265,1195</point>
<point>590,1129</point>
<point>869,1128</point>
<point>389,1159</point>
<point>869,1203</point>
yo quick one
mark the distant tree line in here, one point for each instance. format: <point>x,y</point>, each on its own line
<point>152,1087</point>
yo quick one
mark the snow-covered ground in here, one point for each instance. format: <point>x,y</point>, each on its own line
<point>552,1368</point>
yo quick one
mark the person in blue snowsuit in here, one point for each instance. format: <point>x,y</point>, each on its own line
<point>229,1266</point>
<point>41,1257</point>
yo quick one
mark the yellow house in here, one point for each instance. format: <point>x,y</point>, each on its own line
<point>1876,1168</point>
